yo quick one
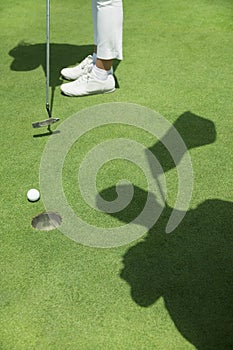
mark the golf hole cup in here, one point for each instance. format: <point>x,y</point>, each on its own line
<point>33,195</point>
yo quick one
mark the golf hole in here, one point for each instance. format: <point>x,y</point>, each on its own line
<point>47,221</point>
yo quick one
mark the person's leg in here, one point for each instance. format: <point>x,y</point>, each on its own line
<point>94,20</point>
<point>108,35</point>
<point>108,46</point>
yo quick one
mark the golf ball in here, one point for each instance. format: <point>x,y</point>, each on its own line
<point>33,195</point>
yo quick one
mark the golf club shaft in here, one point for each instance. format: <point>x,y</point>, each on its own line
<point>47,55</point>
<point>50,121</point>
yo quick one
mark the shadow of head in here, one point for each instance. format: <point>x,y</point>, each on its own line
<point>193,130</point>
<point>196,131</point>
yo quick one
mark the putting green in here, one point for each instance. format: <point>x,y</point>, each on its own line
<point>158,292</point>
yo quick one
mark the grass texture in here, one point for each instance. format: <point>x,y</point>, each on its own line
<point>164,292</point>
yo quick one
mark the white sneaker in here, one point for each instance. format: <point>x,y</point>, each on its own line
<point>89,85</point>
<point>76,72</point>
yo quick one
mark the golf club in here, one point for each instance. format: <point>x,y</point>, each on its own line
<point>51,120</point>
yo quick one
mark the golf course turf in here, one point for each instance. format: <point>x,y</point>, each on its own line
<point>162,291</point>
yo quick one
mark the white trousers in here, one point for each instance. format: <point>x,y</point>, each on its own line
<point>108,23</point>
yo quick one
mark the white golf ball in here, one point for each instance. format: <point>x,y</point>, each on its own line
<point>33,195</point>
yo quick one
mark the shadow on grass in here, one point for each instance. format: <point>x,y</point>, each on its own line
<point>195,132</point>
<point>191,269</point>
<point>31,56</point>
<point>28,57</point>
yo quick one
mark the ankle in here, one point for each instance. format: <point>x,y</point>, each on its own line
<point>103,64</point>
<point>101,74</point>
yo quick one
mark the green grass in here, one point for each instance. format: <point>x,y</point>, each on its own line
<point>162,292</point>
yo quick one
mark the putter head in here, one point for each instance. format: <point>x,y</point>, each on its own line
<point>46,122</point>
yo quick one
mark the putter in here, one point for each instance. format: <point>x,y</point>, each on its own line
<point>47,122</point>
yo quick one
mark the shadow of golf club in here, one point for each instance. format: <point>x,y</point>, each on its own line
<point>47,133</point>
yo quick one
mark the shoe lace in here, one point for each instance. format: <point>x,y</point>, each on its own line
<point>86,62</point>
<point>87,73</point>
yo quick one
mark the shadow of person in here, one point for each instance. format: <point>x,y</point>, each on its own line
<point>191,269</point>
<point>27,57</point>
